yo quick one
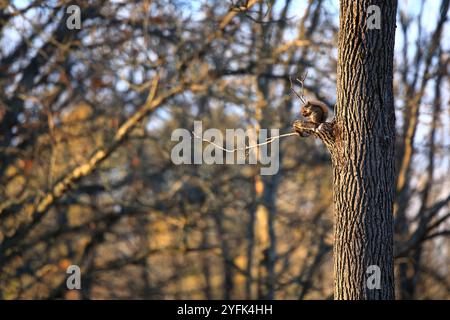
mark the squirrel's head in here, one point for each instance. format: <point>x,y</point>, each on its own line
<point>306,110</point>
<point>313,106</point>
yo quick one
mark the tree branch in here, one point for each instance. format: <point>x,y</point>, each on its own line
<point>324,131</point>
<point>68,180</point>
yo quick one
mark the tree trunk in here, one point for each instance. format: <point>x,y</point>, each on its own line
<point>361,142</point>
<point>364,174</point>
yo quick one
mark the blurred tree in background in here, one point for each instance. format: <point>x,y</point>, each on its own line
<point>85,168</point>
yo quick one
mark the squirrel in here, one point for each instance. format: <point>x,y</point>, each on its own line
<point>315,111</point>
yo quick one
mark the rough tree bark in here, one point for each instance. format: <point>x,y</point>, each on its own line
<point>361,142</point>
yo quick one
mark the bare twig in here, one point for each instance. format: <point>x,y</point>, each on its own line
<point>301,96</point>
<point>268,141</point>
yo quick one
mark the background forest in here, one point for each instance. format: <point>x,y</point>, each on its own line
<point>86,176</point>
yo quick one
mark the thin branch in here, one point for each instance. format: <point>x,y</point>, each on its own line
<point>301,96</point>
<point>437,234</point>
<point>268,141</point>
